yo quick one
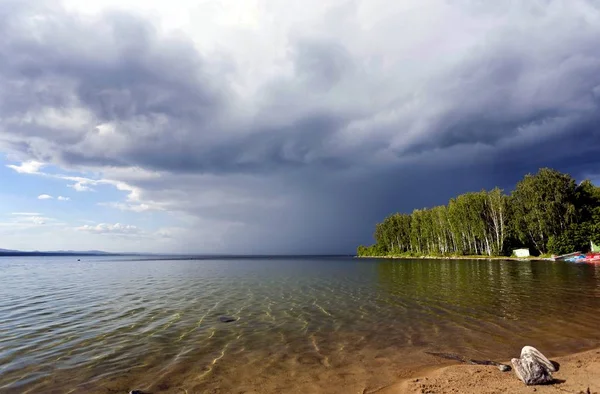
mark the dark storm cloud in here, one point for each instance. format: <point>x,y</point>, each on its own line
<point>265,150</point>
<point>324,151</point>
<point>115,67</point>
<point>158,91</point>
<point>510,87</point>
<point>321,65</point>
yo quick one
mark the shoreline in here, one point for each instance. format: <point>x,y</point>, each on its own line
<point>579,373</point>
<point>501,258</point>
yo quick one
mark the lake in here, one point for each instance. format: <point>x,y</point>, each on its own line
<point>332,325</point>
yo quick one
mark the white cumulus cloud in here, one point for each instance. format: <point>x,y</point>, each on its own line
<point>37,220</point>
<point>106,228</point>
<point>27,167</point>
<point>24,220</point>
<point>62,198</point>
<point>144,207</point>
<point>80,187</point>
<point>44,197</point>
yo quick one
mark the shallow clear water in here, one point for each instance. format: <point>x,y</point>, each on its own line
<point>304,324</point>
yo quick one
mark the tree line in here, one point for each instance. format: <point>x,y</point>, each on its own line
<point>548,212</point>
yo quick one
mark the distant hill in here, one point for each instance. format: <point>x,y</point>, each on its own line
<point>10,252</point>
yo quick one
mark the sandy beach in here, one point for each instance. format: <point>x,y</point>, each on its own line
<point>578,373</point>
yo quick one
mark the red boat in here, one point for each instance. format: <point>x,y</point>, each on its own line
<point>592,258</point>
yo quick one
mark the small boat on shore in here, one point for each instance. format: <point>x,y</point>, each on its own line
<point>592,258</point>
<point>566,257</point>
<point>579,257</point>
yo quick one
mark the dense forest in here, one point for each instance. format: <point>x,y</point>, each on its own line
<point>548,212</point>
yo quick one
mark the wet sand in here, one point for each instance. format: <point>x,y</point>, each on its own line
<point>578,373</point>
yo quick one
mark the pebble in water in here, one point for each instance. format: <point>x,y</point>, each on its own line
<point>227,319</point>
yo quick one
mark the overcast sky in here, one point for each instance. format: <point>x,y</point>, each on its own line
<point>279,126</point>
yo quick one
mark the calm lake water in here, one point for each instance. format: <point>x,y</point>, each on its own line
<point>304,324</point>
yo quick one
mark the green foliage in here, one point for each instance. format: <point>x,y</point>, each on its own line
<point>543,206</point>
<point>575,238</point>
<point>546,212</point>
<point>371,251</point>
<point>587,228</point>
